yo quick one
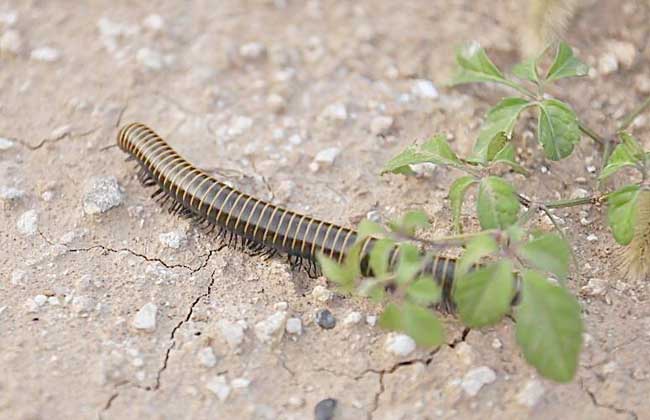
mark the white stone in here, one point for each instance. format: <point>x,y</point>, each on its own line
<point>335,112</point>
<point>30,306</point>
<point>173,239</point>
<point>27,223</point>
<point>352,318</point>
<point>531,393</point>
<point>102,193</point>
<point>625,52</point>
<point>239,125</point>
<point>424,89</point>
<point>474,380</point>
<point>45,54</point>
<point>607,64</point>
<point>232,332</point>
<point>239,383</point>
<point>150,59</point>
<point>272,328</point>
<point>252,50</point>
<point>381,125</point>
<point>10,42</point>
<point>321,293</point>
<point>423,169</point>
<point>327,156</point>
<point>207,357</point>
<point>53,300</point>
<point>296,401</point>
<point>6,144</point>
<point>8,18</point>
<point>295,139</point>
<point>496,344</point>
<point>371,320</point>
<point>82,305</point>
<point>40,300</point>
<point>276,102</point>
<point>399,344</point>
<point>595,287</point>
<point>281,306</point>
<point>592,238</point>
<point>154,22</point>
<point>17,277</point>
<point>294,326</point>
<point>145,318</point>
<point>10,193</point>
<point>219,387</point>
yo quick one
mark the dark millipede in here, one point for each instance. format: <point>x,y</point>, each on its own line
<point>258,226</point>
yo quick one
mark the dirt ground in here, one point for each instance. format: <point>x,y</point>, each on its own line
<point>258,91</point>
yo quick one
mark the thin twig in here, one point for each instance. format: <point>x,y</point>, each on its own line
<point>629,119</point>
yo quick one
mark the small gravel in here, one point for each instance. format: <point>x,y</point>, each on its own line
<point>531,393</point>
<point>325,319</point>
<point>474,380</point>
<point>321,293</point>
<point>102,193</point>
<point>173,239</point>
<point>424,89</point>
<point>207,357</point>
<point>17,277</point>
<point>154,22</point>
<point>82,305</point>
<point>399,344</point>
<point>381,125</point>
<point>6,144</point>
<point>219,386</point>
<point>252,50</point>
<point>150,59</point>
<point>10,42</point>
<point>40,300</point>
<point>327,156</point>
<point>334,112</point>
<point>272,328</point>
<point>232,332</point>
<point>240,383</point>
<point>325,409</point>
<point>294,326</point>
<point>27,223</point>
<point>594,287</point>
<point>45,54</point>
<point>371,320</point>
<point>145,318</point>
<point>352,318</point>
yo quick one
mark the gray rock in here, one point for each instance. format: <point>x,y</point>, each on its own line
<point>531,393</point>
<point>272,328</point>
<point>232,332</point>
<point>399,344</point>
<point>325,319</point>
<point>474,380</point>
<point>294,326</point>
<point>102,193</point>
<point>173,239</point>
<point>219,387</point>
<point>27,223</point>
<point>325,409</point>
<point>207,357</point>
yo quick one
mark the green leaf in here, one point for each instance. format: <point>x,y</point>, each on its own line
<point>622,212</point>
<point>411,221</point>
<point>379,255</point>
<point>548,252</point>
<point>391,318</point>
<point>557,130</point>
<point>368,228</point>
<point>506,156</point>
<point>372,288</point>
<point>527,70</point>
<point>566,65</point>
<point>619,159</point>
<point>632,145</point>
<point>477,248</point>
<point>409,264</point>
<point>497,204</point>
<point>436,151</point>
<point>549,327</point>
<point>339,274</point>
<point>475,66</point>
<point>422,325</point>
<point>424,291</point>
<point>457,196</point>
<point>499,122</point>
<point>483,296</point>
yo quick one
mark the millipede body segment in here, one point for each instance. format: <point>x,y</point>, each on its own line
<point>260,226</point>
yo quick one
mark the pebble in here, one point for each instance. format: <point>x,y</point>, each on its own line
<point>252,50</point>
<point>27,223</point>
<point>642,82</point>
<point>281,306</point>
<point>607,64</point>
<point>154,22</point>
<point>239,125</point>
<point>321,293</point>
<point>424,89</point>
<point>232,332</point>
<point>580,193</point>
<point>10,42</point>
<point>145,318</point>
<point>399,344</point>
<point>624,52</point>
<point>53,300</point>
<point>294,326</point>
<point>17,276</point>
<point>296,401</point>
<point>239,383</point>
<point>592,238</point>
<point>219,387</point>
<point>335,112</point>
<point>325,319</point>
<point>6,144</point>
<point>10,193</point>
<point>272,328</point>
<point>102,193</point>
<point>324,410</point>
<point>531,393</point>
<point>82,305</point>
<point>207,357</point>
<point>496,344</point>
<point>423,169</point>
<point>327,156</point>
<point>371,320</point>
<point>352,318</point>
<point>381,125</point>
<point>30,306</point>
<point>173,239</point>
<point>474,380</point>
<point>150,59</point>
<point>276,102</point>
<point>40,300</point>
<point>595,287</point>
<point>45,54</point>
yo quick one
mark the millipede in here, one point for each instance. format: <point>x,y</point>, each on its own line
<point>259,227</point>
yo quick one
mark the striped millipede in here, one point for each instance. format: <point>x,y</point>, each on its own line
<point>259,226</point>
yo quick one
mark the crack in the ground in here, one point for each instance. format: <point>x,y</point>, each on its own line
<point>56,139</point>
<point>594,400</point>
<point>172,337</point>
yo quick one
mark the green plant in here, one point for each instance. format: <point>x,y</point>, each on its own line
<point>509,259</point>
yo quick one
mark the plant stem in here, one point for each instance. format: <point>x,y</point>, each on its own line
<point>629,119</point>
<point>561,203</point>
<point>592,135</point>
<point>446,241</point>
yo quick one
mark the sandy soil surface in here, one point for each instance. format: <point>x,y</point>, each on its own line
<point>111,308</point>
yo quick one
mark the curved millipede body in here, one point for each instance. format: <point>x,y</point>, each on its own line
<point>258,225</point>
